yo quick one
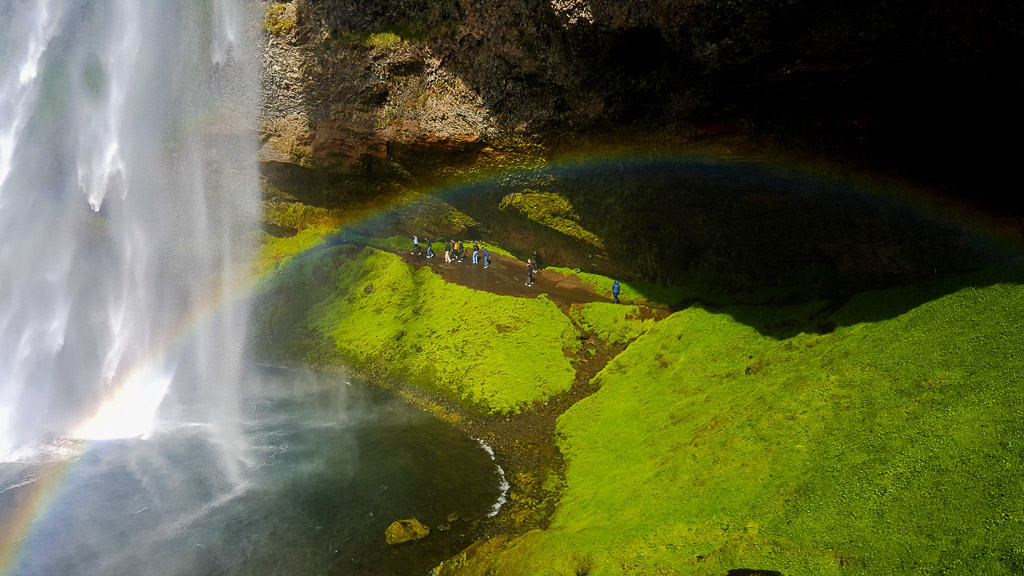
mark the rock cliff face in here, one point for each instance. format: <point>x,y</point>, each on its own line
<point>906,85</point>
<point>373,98</point>
<point>349,99</point>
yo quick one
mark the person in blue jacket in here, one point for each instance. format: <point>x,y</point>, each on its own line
<point>615,291</point>
<point>487,258</point>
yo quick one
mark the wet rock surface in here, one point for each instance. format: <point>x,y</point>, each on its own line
<point>402,531</point>
<point>917,86</point>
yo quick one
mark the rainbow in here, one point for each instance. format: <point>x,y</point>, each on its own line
<point>785,170</point>
<point>137,387</point>
<point>14,533</point>
<point>135,399</point>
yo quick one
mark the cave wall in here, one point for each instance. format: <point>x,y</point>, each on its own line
<point>919,87</point>
<point>413,92</point>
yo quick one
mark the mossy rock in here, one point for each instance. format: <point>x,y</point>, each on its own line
<point>279,19</point>
<point>402,531</point>
<point>551,210</point>
<point>471,346</point>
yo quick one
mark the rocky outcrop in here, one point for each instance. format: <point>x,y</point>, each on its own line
<point>373,102</point>
<point>402,531</point>
<point>348,100</point>
<point>913,86</point>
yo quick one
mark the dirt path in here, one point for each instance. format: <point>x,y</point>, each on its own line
<point>525,442</point>
<point>507,276</point>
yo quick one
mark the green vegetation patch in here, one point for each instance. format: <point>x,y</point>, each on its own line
<point>613,323</point>
<point>432,216</point>
<point>891,446</point>
<point>299,216</point>
<point>638,291</point>
<point>634,291</point>
<point>277,19</point>
<point>383,40</point>
<point>551,210</point>
<point>303,156</point>
<point>388,243</point>
<point>402,243</point>
<point>509,161</point>
<point>277,252</point>
<point>496,354</point>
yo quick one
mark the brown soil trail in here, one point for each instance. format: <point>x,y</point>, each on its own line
<point>525,442</point>
<point>507,276</point>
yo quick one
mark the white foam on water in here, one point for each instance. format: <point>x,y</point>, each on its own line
<point>503,484</point>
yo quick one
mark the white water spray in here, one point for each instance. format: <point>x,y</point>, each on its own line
<point>127,192</point>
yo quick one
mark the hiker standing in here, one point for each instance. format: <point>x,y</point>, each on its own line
<point>415,245</point>
<point>529,272</point>
<point>536,260</point>
<point>448,253</point>
<point>459,249</point>
<point>615,291</point>
<point>487,258</point>
<point>476,251</point>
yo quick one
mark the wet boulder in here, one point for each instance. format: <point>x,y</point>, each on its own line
<point>402,531</point>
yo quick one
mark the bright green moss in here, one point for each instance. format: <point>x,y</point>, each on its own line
<point>277,20</point>
<point>278,251</point>
<point>633,291</point>
<point>551,210</point>
<point>389,243</point>
<point>497,354</point>
<point>299,216</point>
<point>303,156</point>
<point>613,323</point>
<point>432,216</point>
<point>885,447</point>
<point>540,203</point>
<point>638,291</point>
<point>510,160</point>
<point>383,40</point>
<point>496,250</point>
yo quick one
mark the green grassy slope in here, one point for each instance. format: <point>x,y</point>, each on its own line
<point>494,353</point>
<point>277,252</point>
<point>884,447</point>
<point>634,291</point>
<point>613,323</point>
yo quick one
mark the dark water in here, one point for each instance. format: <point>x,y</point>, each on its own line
<point>329,466</point>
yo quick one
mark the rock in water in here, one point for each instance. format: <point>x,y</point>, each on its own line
<point>405,531</point>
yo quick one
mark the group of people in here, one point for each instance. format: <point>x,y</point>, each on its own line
<point>454,251</point>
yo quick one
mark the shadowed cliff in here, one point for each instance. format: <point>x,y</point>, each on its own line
<point>913,88</point>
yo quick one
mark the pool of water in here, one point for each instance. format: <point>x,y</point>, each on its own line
<point>329,464</point>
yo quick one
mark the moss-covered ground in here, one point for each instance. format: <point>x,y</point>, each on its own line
<point>891,445</point>
<point>496,354</point>
<point>636,291</point>
<point>277,251</point>
<point>551,210</point>
<point>881,438</point>
<point>672,296</point>
<point>615,324</point>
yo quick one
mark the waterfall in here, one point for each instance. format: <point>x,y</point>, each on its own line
<point>128,193</point>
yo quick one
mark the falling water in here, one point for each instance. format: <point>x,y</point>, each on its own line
<point>127,193</point>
